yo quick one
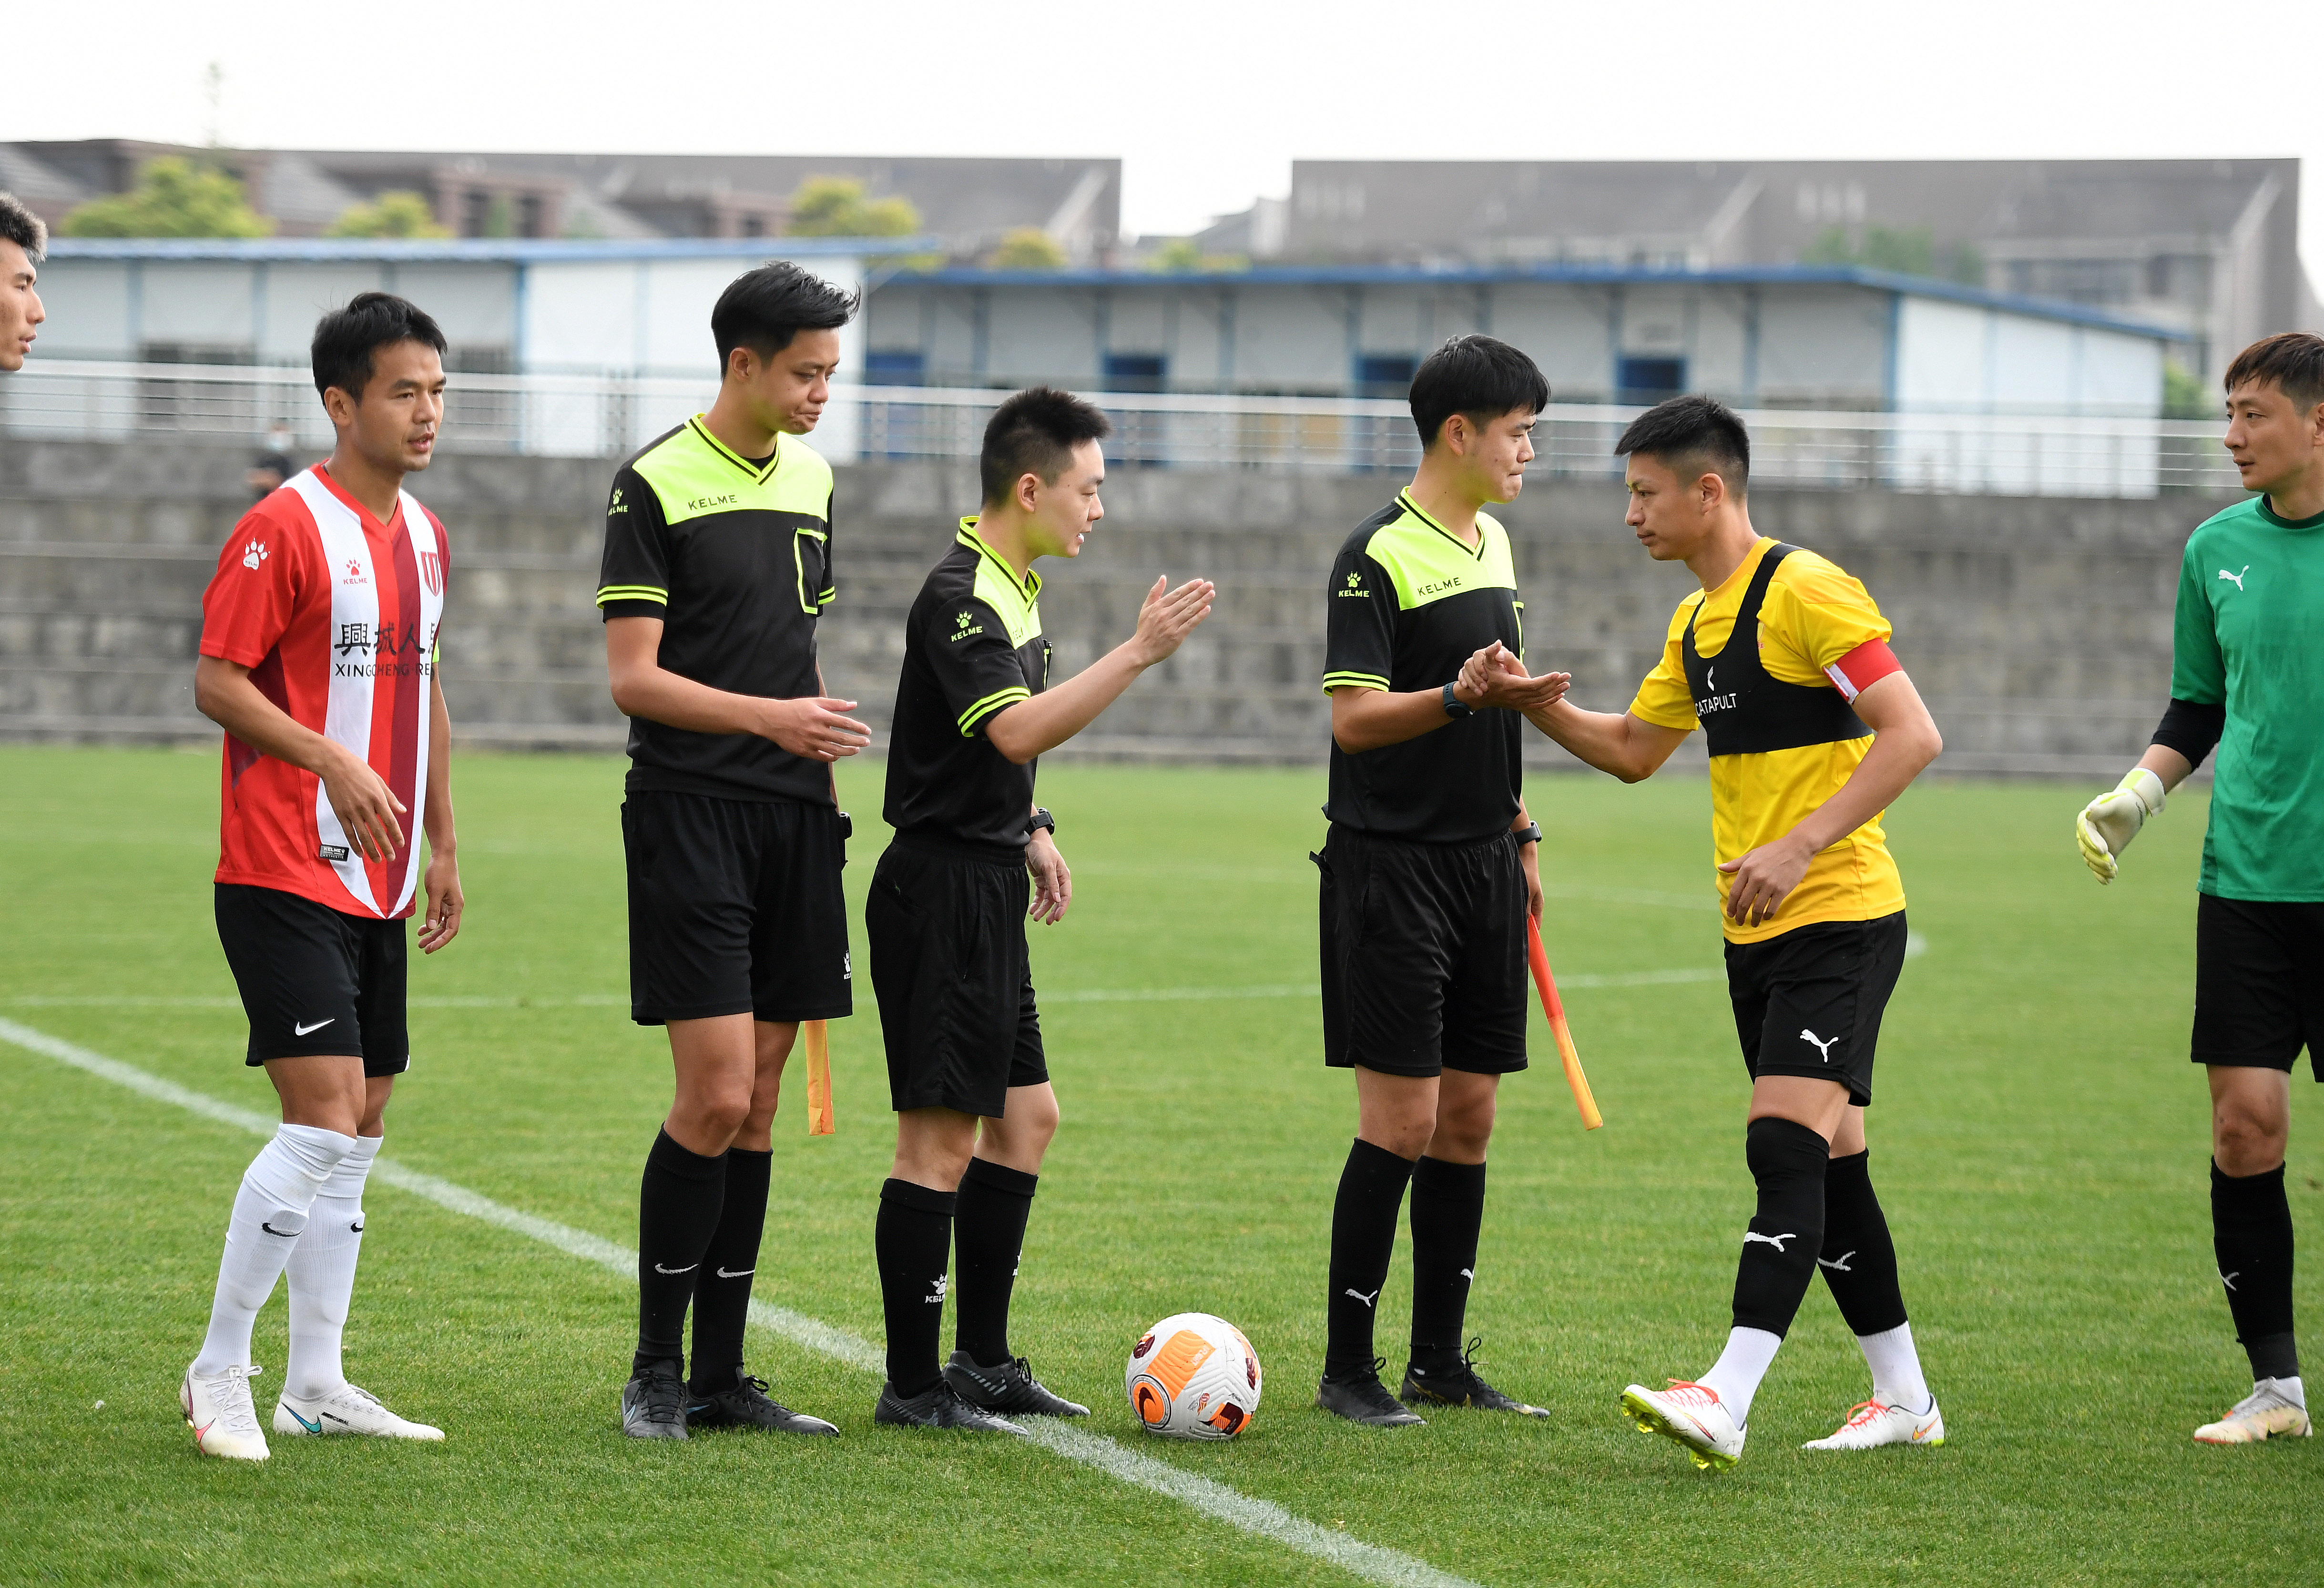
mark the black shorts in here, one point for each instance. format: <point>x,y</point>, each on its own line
<point>1809,1002</point>
<point>954,984</point>
<point>735,909</point>
<point>1424,954</point>
<point>315,981</point>
<point>2259,982</point>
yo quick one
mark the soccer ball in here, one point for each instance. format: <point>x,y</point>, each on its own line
<point>1193,1376</point>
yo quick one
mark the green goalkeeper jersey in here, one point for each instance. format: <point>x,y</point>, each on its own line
<point>2249,635</point>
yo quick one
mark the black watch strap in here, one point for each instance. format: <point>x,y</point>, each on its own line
<point>1454,707</point>
<point>1528,835</point>
<point>1039,820</point>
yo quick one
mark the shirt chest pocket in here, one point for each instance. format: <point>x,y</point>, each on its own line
<point>811,558</point>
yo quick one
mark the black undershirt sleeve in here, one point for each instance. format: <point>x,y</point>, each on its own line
<point>2192,728</point>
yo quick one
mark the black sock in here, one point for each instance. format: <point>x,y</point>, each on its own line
<point>677,1208</point>
<point>988,1233</point>
<point>1363,1238</point>
<point>1858,1260</point>
<point>912,1238</point>
<point>1779,1253</point>
<point>1448,1208</point>
<point>2251,1230</point>
<point>721,1290</point>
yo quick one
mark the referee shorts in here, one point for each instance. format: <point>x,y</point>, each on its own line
<point>947,933</point>
<point>2259,982</point>
<point>735,909</point>
<point>1808,1002</point>
<point>1423,948</point>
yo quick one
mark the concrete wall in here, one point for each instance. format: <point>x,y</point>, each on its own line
<point>2040,629</point>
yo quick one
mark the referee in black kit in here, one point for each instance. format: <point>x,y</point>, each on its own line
<point>945,919</point>
<point>1428,873</point>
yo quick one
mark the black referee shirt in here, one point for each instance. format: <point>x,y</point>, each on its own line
<point>734,557</point>
<point>972,648</point>
<point>1408,605</point>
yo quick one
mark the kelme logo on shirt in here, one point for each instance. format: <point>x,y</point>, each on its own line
<point>254,554</point>
<point>703,503</point>
<point>1439,586</point>
<point>617,505</point>
<point>965,631</point>
<point>1356,588</point>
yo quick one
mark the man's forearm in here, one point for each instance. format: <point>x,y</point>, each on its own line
<point>1601,738</point>
<point>435,814</point>
<point>1037,725</point>
<point>2168,764</point>
<point>1374,719</point>
<point>225,694</point>
<point>661,696</point>
<point>1886,770</point>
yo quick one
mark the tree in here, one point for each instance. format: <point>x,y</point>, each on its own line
<point>1905,251</point>
<point>2186,394</point>
<point>175,198</point>
<point>1182,254</point>
<point>835,206</point>
<point>399,214</point>
<point>1028,248</point>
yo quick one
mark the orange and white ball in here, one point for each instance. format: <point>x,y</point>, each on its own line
<point>1193,1376</point>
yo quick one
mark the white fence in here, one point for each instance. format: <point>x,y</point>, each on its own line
<point>579,416</point>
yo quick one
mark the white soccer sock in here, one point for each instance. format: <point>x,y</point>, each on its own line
<point>323,1275</point>
<point>1736,1373</point>
<point>1896,1367</point>
<point>270,1215</point>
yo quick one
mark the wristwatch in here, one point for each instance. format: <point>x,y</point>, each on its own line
<point>1454,707</point>
<point>1040,819</point>
<point>1528,835</point>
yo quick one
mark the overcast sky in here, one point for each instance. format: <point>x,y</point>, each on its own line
<point>1206,101</point>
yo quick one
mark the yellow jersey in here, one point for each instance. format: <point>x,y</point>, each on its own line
<point>1811,614</point>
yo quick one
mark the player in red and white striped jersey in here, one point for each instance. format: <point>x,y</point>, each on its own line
<point>318,658</point>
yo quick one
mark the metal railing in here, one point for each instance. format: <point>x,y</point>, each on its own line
<point>584,416</point>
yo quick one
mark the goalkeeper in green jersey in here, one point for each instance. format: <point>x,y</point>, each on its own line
<point>2248,677</point>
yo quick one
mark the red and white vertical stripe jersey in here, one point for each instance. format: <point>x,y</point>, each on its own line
<point>334,615</point>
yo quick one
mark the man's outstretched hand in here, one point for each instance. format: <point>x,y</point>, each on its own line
<point>1495,677</point>
<point>1165,620</point>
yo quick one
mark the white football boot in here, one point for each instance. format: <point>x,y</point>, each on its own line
<point>2266,1412</point>
<point>218,1409</point>
<point>1692,1414</point>
<point>1874,1423</point>
<point>345,1410</point>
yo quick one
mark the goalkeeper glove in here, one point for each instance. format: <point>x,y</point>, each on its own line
<point>2109,823</point>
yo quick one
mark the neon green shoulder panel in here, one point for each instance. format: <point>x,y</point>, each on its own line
<point>694,474</point>
<point>1427,564</point>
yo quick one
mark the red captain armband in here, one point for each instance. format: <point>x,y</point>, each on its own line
<point>1862,668</point>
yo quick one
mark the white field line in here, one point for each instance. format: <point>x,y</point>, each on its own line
<point>1263,1517</point>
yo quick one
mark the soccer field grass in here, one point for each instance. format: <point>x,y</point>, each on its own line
<point>2038,1137</point>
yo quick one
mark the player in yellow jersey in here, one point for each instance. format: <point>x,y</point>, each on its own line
<point>1782,660</point>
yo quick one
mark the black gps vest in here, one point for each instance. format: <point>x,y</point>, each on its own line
<point>1748,712</point>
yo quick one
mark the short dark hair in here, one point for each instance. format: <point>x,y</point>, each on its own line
<point>762,309</point>
<point>2293,362</point>
<point>1688,433</point>
<point>346,338</point>
<point>1479,377</point>
<point>1035,432</point>
<point>21,227</point>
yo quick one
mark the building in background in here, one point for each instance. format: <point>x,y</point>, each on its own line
<point>2210,247</point>
<point>969,206</point>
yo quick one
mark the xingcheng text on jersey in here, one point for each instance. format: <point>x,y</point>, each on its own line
<point>1762,665</point>
<point>1410,603</point>
<point>335,615</point>
<point>733,556</point>
<point>972,648</point>
<point>2249,635</point>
